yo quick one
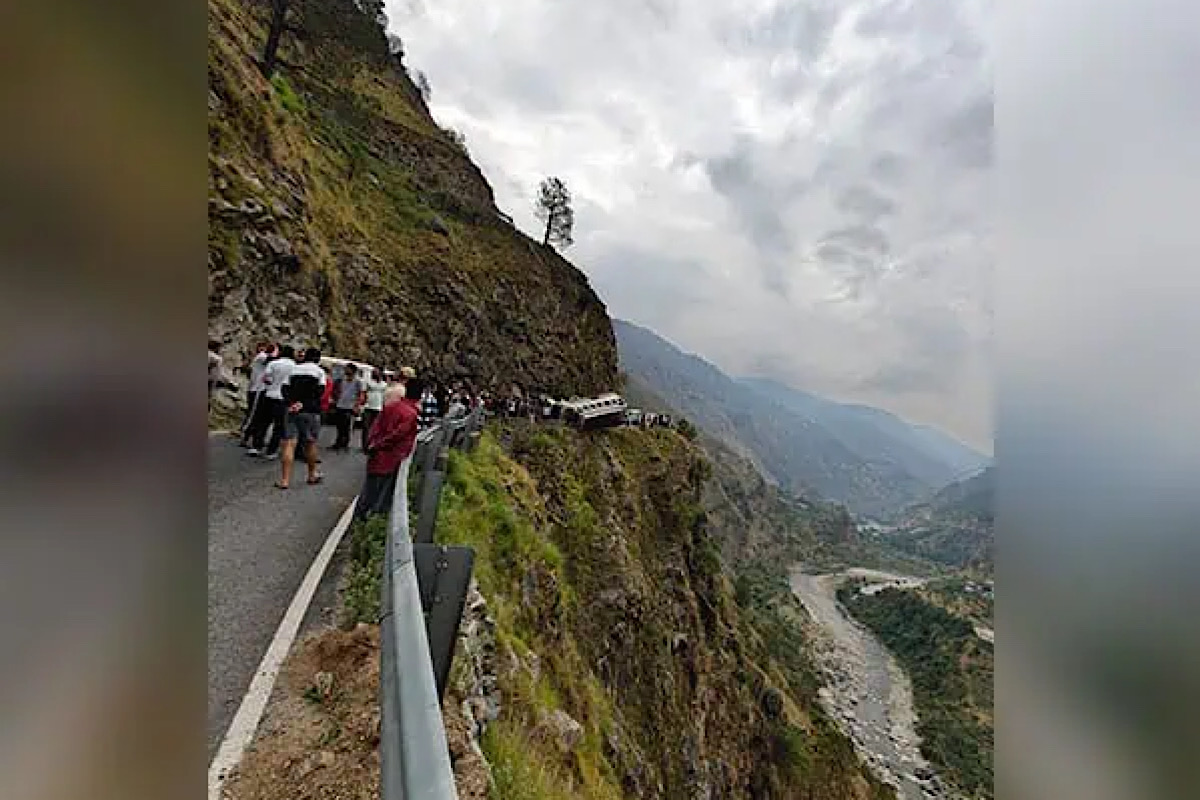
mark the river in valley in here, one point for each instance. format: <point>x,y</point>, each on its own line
<point>867,692</point>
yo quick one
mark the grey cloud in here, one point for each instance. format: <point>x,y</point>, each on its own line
<point>967,137</point>
<point>665,11</point>
<point>928,20</point>
<point>882,20</point>
<point>685,160</point>
<point>887,168</point>
<point>861,237</point>
<point>835,253</point>
<point>757,200</point>
<point>831,92</point>
<point>866,203</point>
<point>539,91</point>
<point>800,27</point>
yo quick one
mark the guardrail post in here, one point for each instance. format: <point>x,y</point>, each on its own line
<point>458,430</point>
<point>474,430</point>
<point>427,451</point>
<point>430,498</point>
<point>443,575</point>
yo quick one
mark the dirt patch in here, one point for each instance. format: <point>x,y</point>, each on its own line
<point>320,737</point>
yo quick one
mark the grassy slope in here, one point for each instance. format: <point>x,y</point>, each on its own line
<point>611,605</point>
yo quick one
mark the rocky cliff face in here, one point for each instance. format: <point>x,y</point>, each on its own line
<point>341,215</point>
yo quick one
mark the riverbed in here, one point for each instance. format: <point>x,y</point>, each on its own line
<point>867,692</point>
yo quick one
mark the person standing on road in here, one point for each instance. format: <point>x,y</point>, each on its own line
<point>302,424</point>
<point>457,409</point>
<point>393,437</point>
<point>254,389</point>
<point>428,403</point>
<point>348,397</point>
<point>406,374</point>
<point>374,387</point>
<point>442,395</point>
<point>216,368</point>
<point>271,408</point>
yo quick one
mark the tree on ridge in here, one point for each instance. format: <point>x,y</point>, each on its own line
<point>554,206</point>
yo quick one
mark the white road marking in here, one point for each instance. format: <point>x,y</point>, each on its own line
<point>245,721</point>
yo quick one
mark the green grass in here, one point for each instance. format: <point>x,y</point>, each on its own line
<point>286,94</point>
<point>518,770</point>
<point>361,593</point>
<point>486,507</point>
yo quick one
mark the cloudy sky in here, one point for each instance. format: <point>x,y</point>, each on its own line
<point>799,190</point>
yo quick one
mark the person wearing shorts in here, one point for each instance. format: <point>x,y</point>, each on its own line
<point>302,392</point>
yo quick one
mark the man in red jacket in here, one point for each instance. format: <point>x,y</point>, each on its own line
<point>393,436</point>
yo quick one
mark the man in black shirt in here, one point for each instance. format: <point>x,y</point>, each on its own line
<point>302,390</point>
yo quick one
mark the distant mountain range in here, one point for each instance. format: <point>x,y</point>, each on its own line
<point>866,458</point>
<point>956,527</point>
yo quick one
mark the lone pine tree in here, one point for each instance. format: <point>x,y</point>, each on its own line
<point>554,206</point>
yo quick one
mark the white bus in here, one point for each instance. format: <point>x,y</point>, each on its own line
<point>605,411</point>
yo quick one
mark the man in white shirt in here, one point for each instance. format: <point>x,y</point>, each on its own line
<point>258,368</point>
<point>374,386</point>
<point>271,408</point>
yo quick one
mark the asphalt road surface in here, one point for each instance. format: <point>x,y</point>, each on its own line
<point>261,541</point>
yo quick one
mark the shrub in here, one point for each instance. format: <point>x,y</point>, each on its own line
<point>287,95</point>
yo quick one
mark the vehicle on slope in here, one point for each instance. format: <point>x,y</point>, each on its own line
<point>605,411</point>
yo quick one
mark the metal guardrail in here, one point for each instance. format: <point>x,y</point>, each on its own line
<point>414,756</point>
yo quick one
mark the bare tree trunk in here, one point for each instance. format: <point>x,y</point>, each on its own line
<point>549,222</point>
<point>270,55</point>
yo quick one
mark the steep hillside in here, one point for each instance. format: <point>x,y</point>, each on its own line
<point>956,527</point>
<point>847,454</point>
<point>341,214</point>
<point>627,666</point>
<point>757,523</point>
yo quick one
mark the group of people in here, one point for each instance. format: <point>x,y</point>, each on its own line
<point>345,394</point>
<point>290,394</point>
<point>652,419</point>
